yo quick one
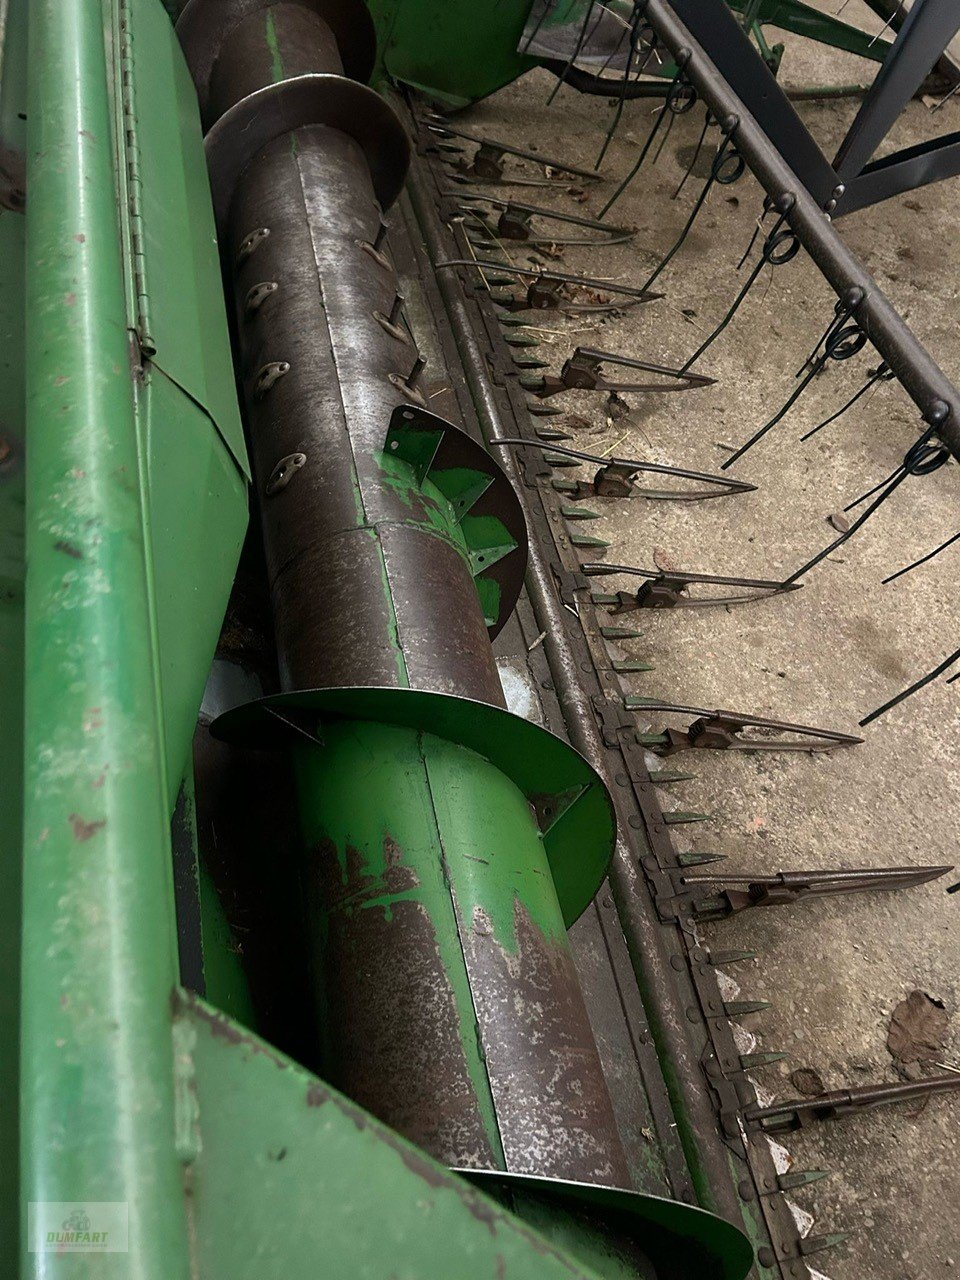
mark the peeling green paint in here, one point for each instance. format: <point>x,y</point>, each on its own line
<point>388,853</point>
<point>440,501</point>
<point>273,45</point>
<point>492,846</point>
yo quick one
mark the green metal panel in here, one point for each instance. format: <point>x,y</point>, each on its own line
<point>454,50</point>
<point>176,247</point>
<point>578,838</point>
<point>185,395</point>
<point>290,1179</point>
<point>458,52</point>
<point>197,516</point>
<point>804,20</point>
<point>97,1090</point>
<point>13,106</point>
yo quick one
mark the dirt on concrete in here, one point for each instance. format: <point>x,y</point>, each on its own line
<point>825,655</point>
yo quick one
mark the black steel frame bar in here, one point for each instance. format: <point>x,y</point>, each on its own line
<point>921,377</point>
<point>904,170</point>
<point>929,27</point>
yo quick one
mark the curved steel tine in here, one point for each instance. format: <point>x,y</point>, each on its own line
<point>676,582</point>
<point>573,219</point>
<point>562,277</point>
<point>722,483</point>
<point>726,725</point>
<point>438,126</point>
<point>684,380</point>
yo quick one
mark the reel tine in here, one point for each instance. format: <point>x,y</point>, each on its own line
<point>794,1114</point>
<point>882,373</point>
<point>696,154</point>
<point>581,372</point>
<point>723,486</point>
<point>720,731</point>
<point>914,688</point>
<point>665,590</point>
<point>923,560</point>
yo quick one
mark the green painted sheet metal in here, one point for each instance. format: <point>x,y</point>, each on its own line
<point>197,515</point>
<point>13,106</point>
<point>579,837</point>
<point>97,1091</point>
<point>805,20</point>
<point>595,1223</point>
<point>186,401</point>
<point>459,51</point>
<point>292,1179</point>
<point>454,50</point>
<point>176,247</point>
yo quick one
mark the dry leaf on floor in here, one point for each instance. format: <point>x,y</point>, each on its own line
<point>617,407</point>
<point>918,1028</point>
<point>807,1082</point>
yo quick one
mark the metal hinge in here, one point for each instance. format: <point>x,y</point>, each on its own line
<point>130,152</point>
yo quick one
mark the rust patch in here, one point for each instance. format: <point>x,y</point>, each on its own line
<point>68,549</point>
<point>554,1110</point>
<point>395,1040</point>
<point>354,886</point>
<point>317,1095</point>
<point>70,299</point>
<point>84,830</point>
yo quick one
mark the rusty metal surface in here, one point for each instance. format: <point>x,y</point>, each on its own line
<point>554,1109</point>
<point>315,99</point>
<point>285,37</point>
<point>439,620</point>
<point>394,1041</point>
<point>203,25</point>
<point>668,994</point>
<point>336,531</point>
<point>371,573</point>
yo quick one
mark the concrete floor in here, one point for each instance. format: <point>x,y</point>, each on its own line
<point>825,655</point>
